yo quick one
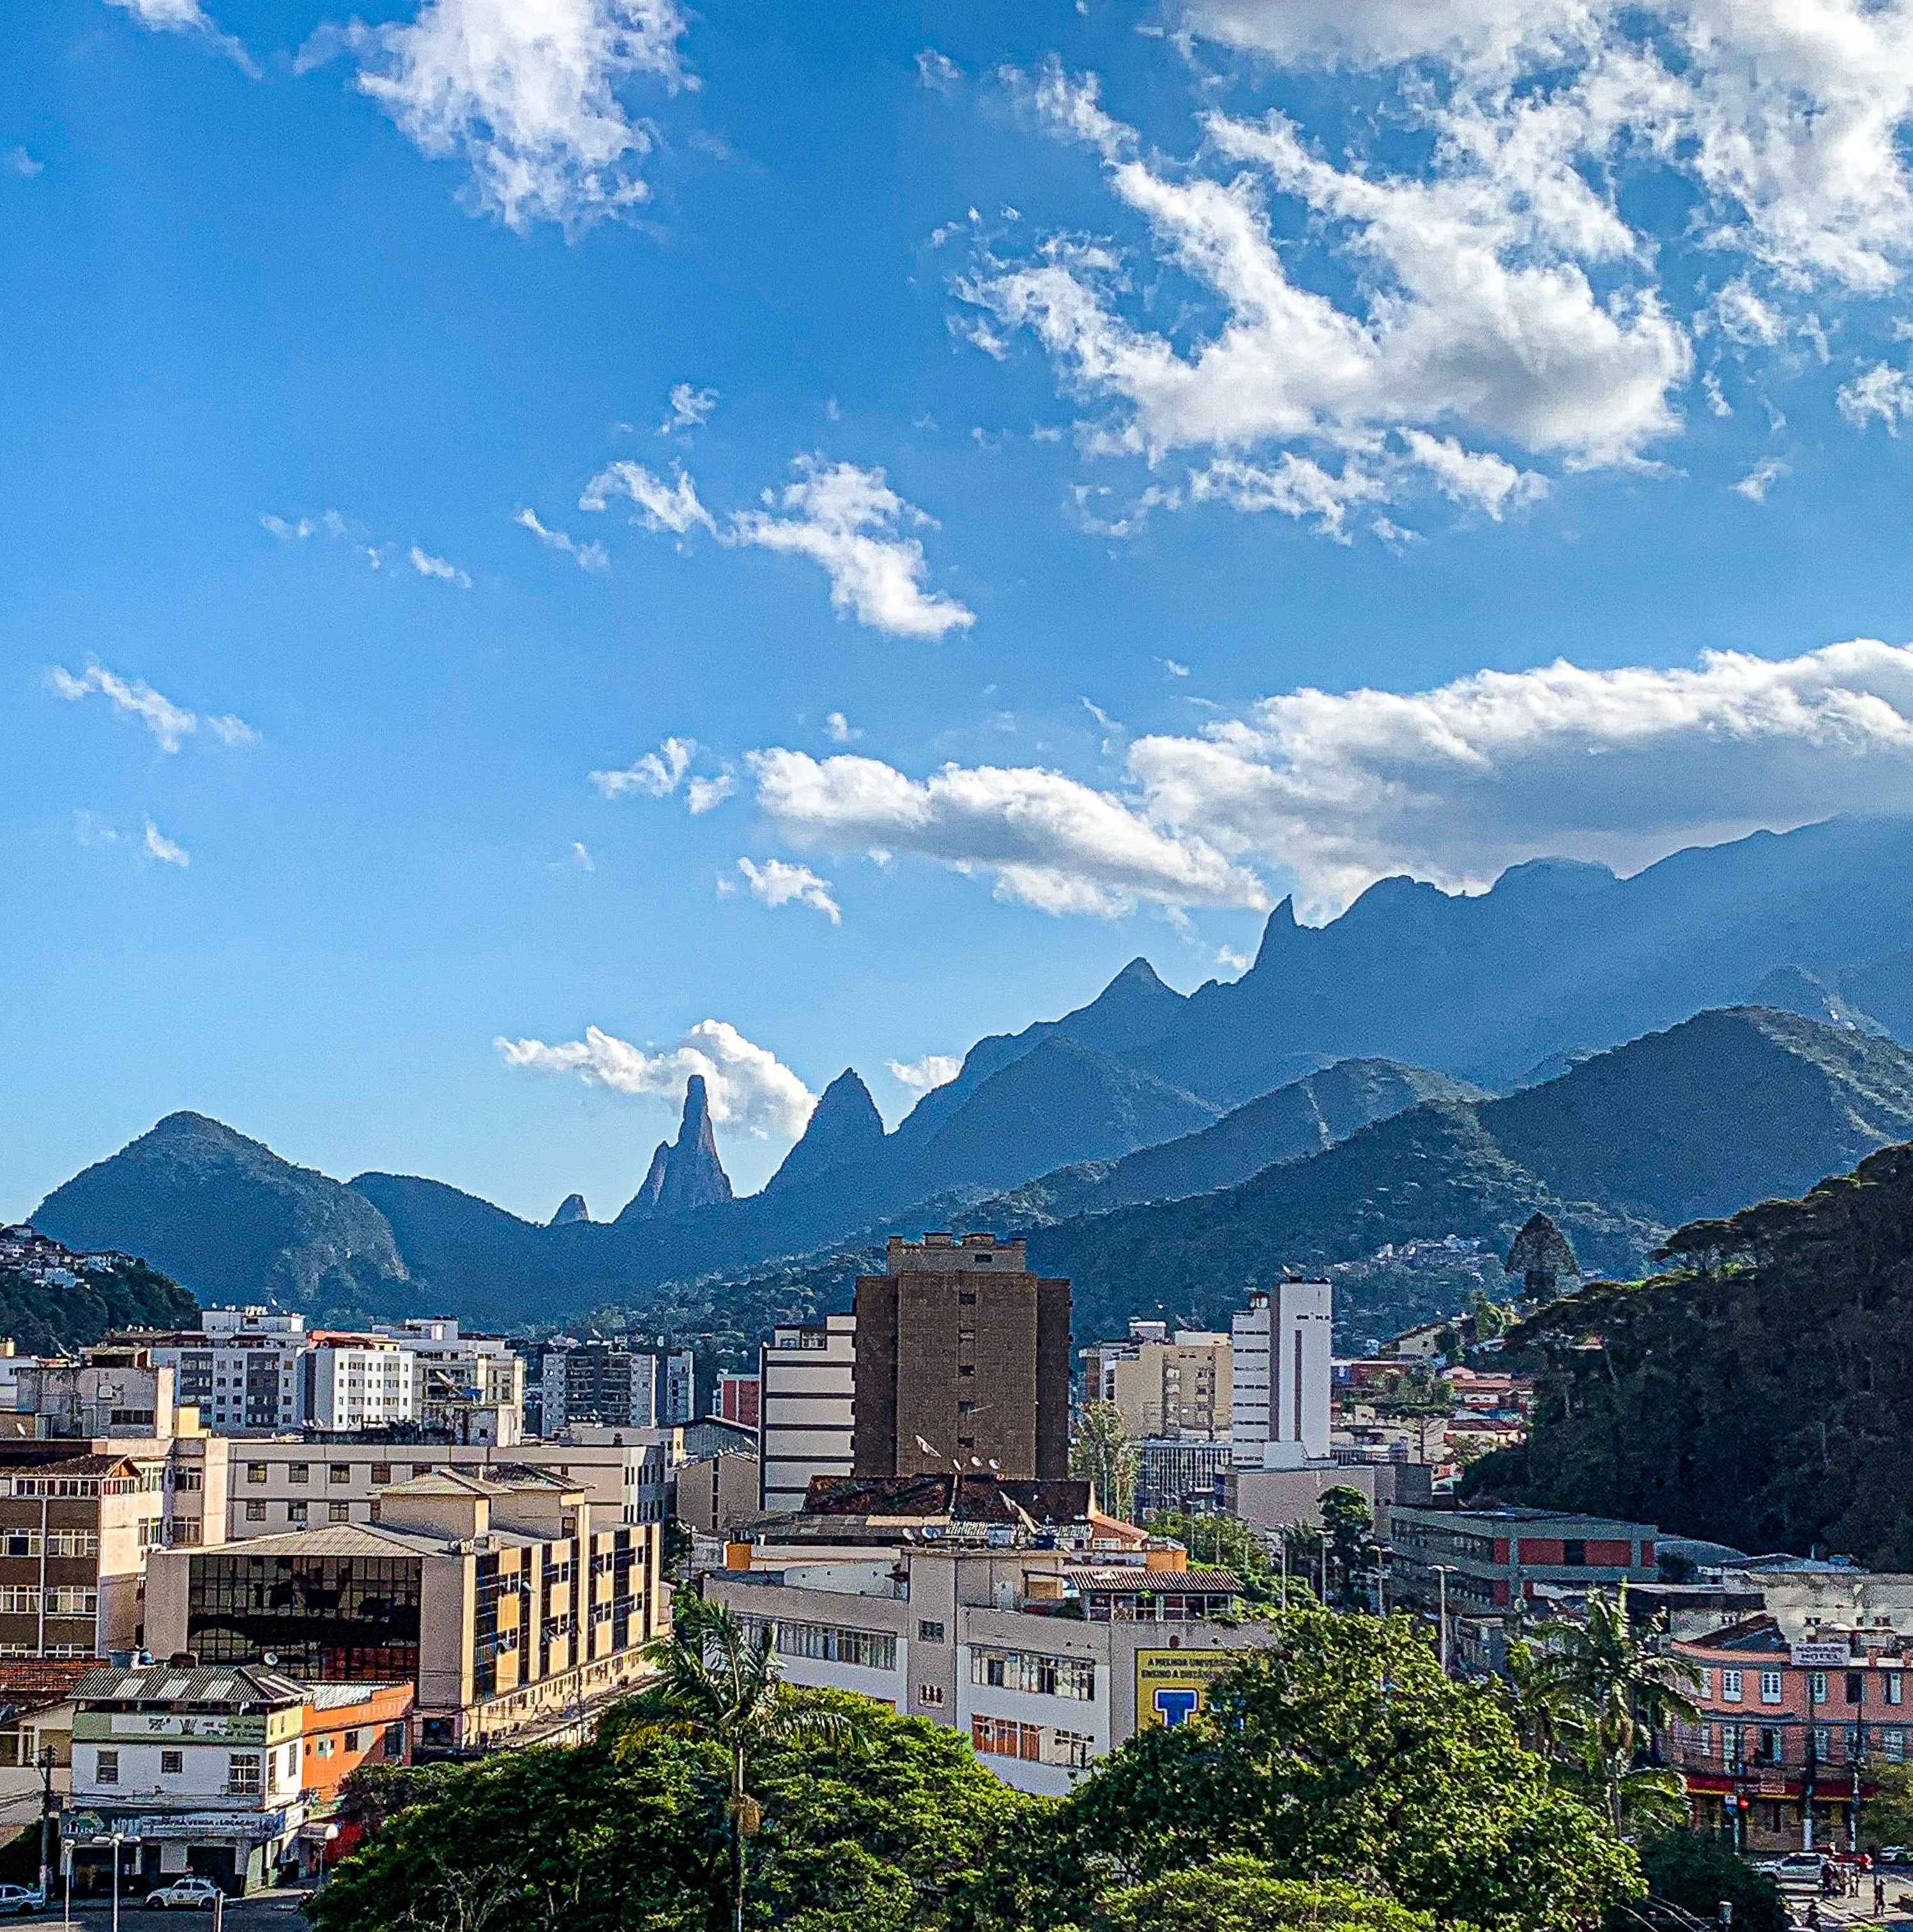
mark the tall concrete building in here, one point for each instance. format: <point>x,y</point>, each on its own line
<point>962,1357</point>
<point>807,1375</point>
<point>1281,1373</point>
<point>1165,1385</point>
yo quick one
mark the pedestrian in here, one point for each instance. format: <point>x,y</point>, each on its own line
<point>1812,1921</point>
<point>1879,1896</point>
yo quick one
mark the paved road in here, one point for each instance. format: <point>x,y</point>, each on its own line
<point>270,1913</point>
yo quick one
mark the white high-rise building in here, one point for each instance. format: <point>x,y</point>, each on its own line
<point>1282,1347</point>
<point>807,1375</point>
<point>356,1382</point>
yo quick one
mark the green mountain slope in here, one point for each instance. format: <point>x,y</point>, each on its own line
<point>1727,1108</point>
<point>232,1221</point>
<point>42,1319</point>
<point>1760,1393</point>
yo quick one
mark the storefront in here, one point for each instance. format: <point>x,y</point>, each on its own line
<point>240,1851</point>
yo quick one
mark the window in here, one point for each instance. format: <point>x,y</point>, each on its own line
<point>1895,1687</point>
<point>1730,1686</point>
<point>296,1514</point>
<point>1893,1746</point>
<point>108,1770</point>
<point>1855,1687</point>
<point>1817,1690</point>
<point>338,1472</point>
<point>338,1512</point>
<point>928,1631</point>
<point>20,1543</point>
<point>354,1739</point>
<point>1770,1687</point>
<point>874,1650</point>
<point>1574,1551</point>
<point>69,1600</point>
<point>1072,1677</point>
<point>1004,1737</point>
<point>18,1600</point>
<point>256,1511</point>
<point>172,1763</point>
<point>323,1748</point>
<point>1072,1749</point>
<point>1770,1745</point>
<point>394,1740</point>
<point>242,1772</point>
<point>382,1472</point>
<point>299,1472</point>
<point>930,1696</point>
<point>255,1472</point>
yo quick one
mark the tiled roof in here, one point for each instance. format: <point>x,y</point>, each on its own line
<point>31,1683</point>
<point>1132,1576</point>
<point>204,1683</point>
<point>1761,1634</point>
<point>342,1696</point>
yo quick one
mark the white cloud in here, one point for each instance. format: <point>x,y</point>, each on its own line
<point>702,795</point>
<point>429,565</point>
<point>839,729</point>
<point>689,407</point>
<point>657,775</point>
<point>938,71</point>
<point>777,883</point>
<point>1474,478</point>
<point>1174,669</point>
<point>847,519</point>
<point>921,1076</point>
<point>527,92</point>
<point>1761,479</point>
<point>577,858</point>
<point>586,556</point>
<point>1050,842</point>
<point>156,845</point>
<point>751,1091</point>
<point>169,724</point>
<point>187,16</point>
<point>18,161</point>
<point>287,530</point>
<point>662,506</point>
<point>1881,392</point>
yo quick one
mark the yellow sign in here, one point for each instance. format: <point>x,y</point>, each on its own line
<point>1172,1685</point>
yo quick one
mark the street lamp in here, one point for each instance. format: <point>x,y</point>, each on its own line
<point>1441,1570</point>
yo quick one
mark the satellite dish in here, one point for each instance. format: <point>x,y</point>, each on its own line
<point>976,1462</point>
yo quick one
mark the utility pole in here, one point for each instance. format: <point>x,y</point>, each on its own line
<point>46,1820</point>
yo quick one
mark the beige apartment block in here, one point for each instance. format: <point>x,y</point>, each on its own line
<point>502,1595</point>
<point>1164,1385</point>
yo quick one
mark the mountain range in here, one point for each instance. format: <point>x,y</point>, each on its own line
<point>1333,1100</point>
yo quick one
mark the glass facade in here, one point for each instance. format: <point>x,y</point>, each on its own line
<point>326,1619</point>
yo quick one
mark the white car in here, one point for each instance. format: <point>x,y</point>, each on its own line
<point>195,1894</point>
<point>20,1899</point>
<point>1808,1865</point>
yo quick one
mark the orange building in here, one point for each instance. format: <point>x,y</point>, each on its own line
<point>347,1725</point>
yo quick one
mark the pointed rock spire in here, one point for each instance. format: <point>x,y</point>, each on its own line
<point>1281,927</point>
<point>571,1208</point>
<point>845,1129</point>
<point>685,1175</point>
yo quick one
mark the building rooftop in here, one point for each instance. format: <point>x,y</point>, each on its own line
<point>982,1499</point>
<point>30,1684</point>
<point>1131,1577</point>
<point>235,1684</point>
<point>343,1697</point>
<point>1760,1634</point>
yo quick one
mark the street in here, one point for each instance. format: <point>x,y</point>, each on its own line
<point>269,1909</point>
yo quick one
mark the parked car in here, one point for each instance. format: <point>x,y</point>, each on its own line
<point>1893,1855</point>
<point>194,1894</point>
<point>20,1899</point>
<point>1804,1866</point>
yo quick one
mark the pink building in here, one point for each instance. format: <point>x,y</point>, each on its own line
<point>1787,1729</point>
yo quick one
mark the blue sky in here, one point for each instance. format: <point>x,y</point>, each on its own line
<point>1128,463</point>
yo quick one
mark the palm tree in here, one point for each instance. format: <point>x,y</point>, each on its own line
<point>718,1681</point>
<point>1598,1686</point>
<point>1103,1449</point>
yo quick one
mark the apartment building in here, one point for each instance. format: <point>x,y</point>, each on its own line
<point>740,1400</point>
<point>1165,1385</point>
<point>325,1478</point>
<point>470,1386</point>
<point>246,1368</point>
<point>499,1594</point>
<point>962,1357</point>
<point>714,1494</point>
<point>1282,1363</point>
<point>1002,1610</point>
<point>601,1382</point>
<point>807,1377</point>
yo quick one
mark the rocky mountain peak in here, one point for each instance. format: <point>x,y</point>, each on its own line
<point>846,1127</point>
<point>685,1175</point>
<point>571,1208</point>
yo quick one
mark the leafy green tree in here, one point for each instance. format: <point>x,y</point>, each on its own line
<point>1606,1693</point>
<point>1239,1894</point>
<point>1102,1449</point>
<point>630,1833</point>
<point>717,1682</point>
<point>1226,1541</point>
<point>1348,1522</point>
<point>1696,1872</point>
<point>1339,1752</point>
<point>1886,1817</point>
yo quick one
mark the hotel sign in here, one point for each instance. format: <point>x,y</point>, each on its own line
<point>1822,1656</point>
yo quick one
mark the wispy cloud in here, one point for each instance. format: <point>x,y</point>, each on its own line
<point>149,842</point>
<point>592,556</point>
<point>839,729</point>
<point>170,725</point>
<point>1761,479</point>
<point>750,1090</point>
<point>18,161</point>
<point>168,852</point>
<point>438,567</point>
<point>921,1076</point>
<point>938,71</point>
<point>527,95</point>
<point>777,883</point>
<point>662,506</point>
<point>689,407</point>
<point>656,775</point>
<point>188,16</point>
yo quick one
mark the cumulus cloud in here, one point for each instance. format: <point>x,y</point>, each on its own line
<point>1048,841</point>
<point>1761,479</point>
<point>688,407</point>
<point>156,844</point>
<point>705,794</point>
<point>586,556</point>
<point>662,506</point>
<point>777,883</point>
<point>920,1076</point>
<point>187,16</point>
<point>527,93</point>
<point>751,1091</point>
<point>839,729</point>
<point>1335,790</point>
<point>656,775</point>
<point>1882,393</point>
<point>850,521</point>
<point>170,725</point>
